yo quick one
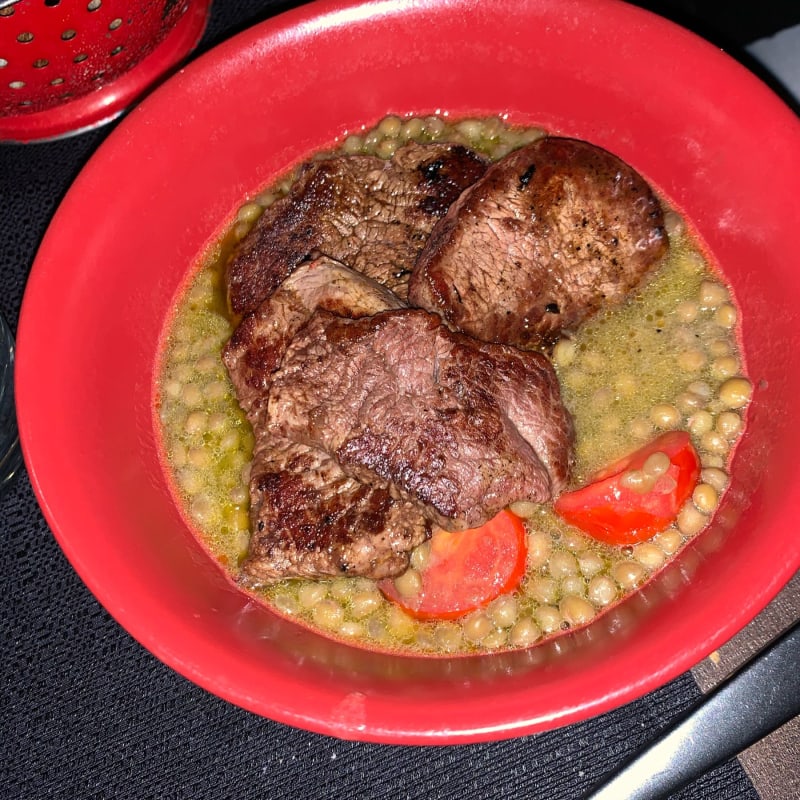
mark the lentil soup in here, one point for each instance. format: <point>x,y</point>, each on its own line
<point>668,359</point>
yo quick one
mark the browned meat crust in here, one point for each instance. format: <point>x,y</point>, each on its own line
<point>257,346</point>
<point>311,520</point>
<point>307,518</point>
<point>550,234</point>
<point>371,214</point>
<point>462,428</point>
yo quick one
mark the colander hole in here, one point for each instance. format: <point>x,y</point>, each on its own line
<point>40,63</point>
<point>68,34</point>
<point>16,85</point>
<point>56,81</point>
<point>51,3</point>
<point>117,50</point>
<point>26,102</point>
<point>3,63</point>
<point>25,37</point>
<point>93,5</point>
<point>114,24</point>
<point>98,76</point>
<point>80,57</point>
<point>7,11</point>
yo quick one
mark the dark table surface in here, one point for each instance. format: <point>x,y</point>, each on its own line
<point>86,712</point>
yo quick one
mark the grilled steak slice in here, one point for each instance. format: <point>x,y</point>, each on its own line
<point>309,519</point>
<point>374,215</point>
<point>550,234</point>
<point>257,346</point>
<point>399,397</point>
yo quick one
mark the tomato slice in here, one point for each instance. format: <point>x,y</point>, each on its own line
<point>466,569</point>
<point>610,510</point>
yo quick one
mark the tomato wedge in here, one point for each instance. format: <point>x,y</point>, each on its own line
<point>466,570</point>
<point>611,510</point>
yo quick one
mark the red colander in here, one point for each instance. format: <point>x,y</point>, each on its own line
<point>68,65</point>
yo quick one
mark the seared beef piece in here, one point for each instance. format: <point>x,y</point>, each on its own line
<point>373,215</point>
<point>550,234</point>
<point>310,520</point>
<point>460,426</point>
<point>256,348</point>
<point>307,518</point>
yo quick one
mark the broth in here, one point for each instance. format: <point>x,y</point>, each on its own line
<point>667,359</point>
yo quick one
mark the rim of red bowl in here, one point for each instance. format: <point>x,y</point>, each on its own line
<point>158,191</point>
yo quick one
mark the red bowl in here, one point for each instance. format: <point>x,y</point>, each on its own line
<point>711,137</point>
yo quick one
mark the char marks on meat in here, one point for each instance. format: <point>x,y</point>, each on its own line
<point>463,428</point>
<point>311,520</point>
<point>551,233</point>
<point>257,346</point>
<point>307,518</point>
<point>372,214</point>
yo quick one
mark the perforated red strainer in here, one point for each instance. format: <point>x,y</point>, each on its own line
<point>66,65</point>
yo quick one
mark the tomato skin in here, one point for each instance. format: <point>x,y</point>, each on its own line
<point>613,513</point>
<point>467,569</point>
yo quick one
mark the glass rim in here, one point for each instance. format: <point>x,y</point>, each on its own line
<point>10,452</point>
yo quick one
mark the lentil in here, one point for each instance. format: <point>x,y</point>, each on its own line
<point>539,546</point>
<point>524,509</point>
<point>724,367</point>
<point>729,424</point>
<point>525,633</point>
<point>625,384</point>
<point>714,443</point>
<point>400,624</point>
<point>409,583</point>
<point>648,555</point>
<point>669,541</point>
<point>364,603</point>
<point>628,574</point>
<point>448,637</point>
<point>576,610</point>
<point>687,310</point>
<point>692,360</point>
<point>328,614</point>
<point>351,630</point>
<point>504,610</point>
<point>701,422</point>
<point>564,352</point>
<point>544,590</point>
<point>705,498</point>
<point>673,224</point>
<point>690,520</point>
<point>641,428</point>
<point>665,416</point>
<point>562,564</point>
<point>735,392</point>
<point>420,556</point>
<point>477,627</point>
<point>602,590</point>
<point>590,563</point>
<point>718,348</point>
<point>726,315</point>
<point>574,584</point>
<point>494,640</point>
<point>715,477</point>
<point>712,294</point>
<point>310,594</point>
<point>548,618</point>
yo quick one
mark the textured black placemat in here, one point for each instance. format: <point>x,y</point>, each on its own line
<point>88,713</point>
<point>85,712</point>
